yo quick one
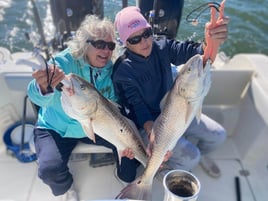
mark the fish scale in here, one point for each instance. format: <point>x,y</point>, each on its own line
<point>168,140</point>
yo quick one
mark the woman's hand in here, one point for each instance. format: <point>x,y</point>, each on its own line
<point>54,77</point>
<point>216,32</point>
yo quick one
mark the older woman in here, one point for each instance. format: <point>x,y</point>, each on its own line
<point>56,134</point>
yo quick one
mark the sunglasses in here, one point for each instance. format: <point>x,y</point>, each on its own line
<point>136,39</point>
<point>101,44</point>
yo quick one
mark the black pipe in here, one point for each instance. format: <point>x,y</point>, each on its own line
<point>124,3</point>
<point>237,189</point>
<point>40,28</point>
<point>23,122</point>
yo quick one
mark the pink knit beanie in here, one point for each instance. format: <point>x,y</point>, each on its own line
<point>128,21</point>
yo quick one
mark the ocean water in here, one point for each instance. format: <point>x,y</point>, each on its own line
<point>248,28</point>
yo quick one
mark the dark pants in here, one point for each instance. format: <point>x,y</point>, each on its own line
<point>53,152</point>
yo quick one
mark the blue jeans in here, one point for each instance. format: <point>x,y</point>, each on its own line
<point>53,153</point>
<point>207,136</point>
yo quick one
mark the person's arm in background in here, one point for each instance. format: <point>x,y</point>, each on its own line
<point>216,32</point>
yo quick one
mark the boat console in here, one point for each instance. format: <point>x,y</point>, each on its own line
<point>163,16</point>
<point>67,16</point>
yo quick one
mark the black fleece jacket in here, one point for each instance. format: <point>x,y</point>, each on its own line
<point>141,83</point>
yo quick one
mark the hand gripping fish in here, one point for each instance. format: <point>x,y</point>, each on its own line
<point>97,115</point>
<point>178,108</point>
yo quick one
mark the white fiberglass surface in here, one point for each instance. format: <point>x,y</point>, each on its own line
<point>19,181</point>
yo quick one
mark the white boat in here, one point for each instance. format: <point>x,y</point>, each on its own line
<point>238,99</point>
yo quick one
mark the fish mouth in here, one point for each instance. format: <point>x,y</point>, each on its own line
<point>196,60</point>
<point>66,82</point>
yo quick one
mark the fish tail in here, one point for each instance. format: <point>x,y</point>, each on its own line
<point>136,191</point>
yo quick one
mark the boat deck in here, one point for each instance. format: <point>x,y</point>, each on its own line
<point>19,181</point>
<point>237,100</point>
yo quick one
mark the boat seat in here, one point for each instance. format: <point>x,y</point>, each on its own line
<point>81,148</point>
<point>90,148</point>
<point>228,86</point>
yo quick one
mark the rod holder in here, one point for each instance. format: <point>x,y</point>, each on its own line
<point>181,185</point>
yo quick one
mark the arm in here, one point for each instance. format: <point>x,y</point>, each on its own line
<point>216,32</point>
<point>37,88</point>
<point>179,52</point>
<point>54,77</point>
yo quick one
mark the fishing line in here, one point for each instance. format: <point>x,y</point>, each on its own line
<point>49,80</point>
<point>200,10</point>
<point>53,73</point>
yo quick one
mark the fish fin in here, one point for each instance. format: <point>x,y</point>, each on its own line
<point>141,142</point>
<point>189,111</point>
<point>198,115</point>
<point>131,123</point>
<point>88,129</point>
<point>163,101</point>
<point>134,127</point>
<point>136,191</point>
<point>115,104</point>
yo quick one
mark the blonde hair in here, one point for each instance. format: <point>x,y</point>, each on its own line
<point>91,28</point>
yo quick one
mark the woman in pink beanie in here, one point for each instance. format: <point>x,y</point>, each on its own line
<point>128,21</point>
<point>143,75</point>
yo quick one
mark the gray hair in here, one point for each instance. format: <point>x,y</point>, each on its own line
<point>91,28</point>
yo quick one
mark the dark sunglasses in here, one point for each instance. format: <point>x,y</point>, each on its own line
<point>101,44</point>
<point>136,39</point>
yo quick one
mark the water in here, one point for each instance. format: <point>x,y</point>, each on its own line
<point>248,28</point>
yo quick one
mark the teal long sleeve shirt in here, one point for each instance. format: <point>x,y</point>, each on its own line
<point>51,115</point>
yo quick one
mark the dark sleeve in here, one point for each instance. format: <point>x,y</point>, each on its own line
<point>179,52</point>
